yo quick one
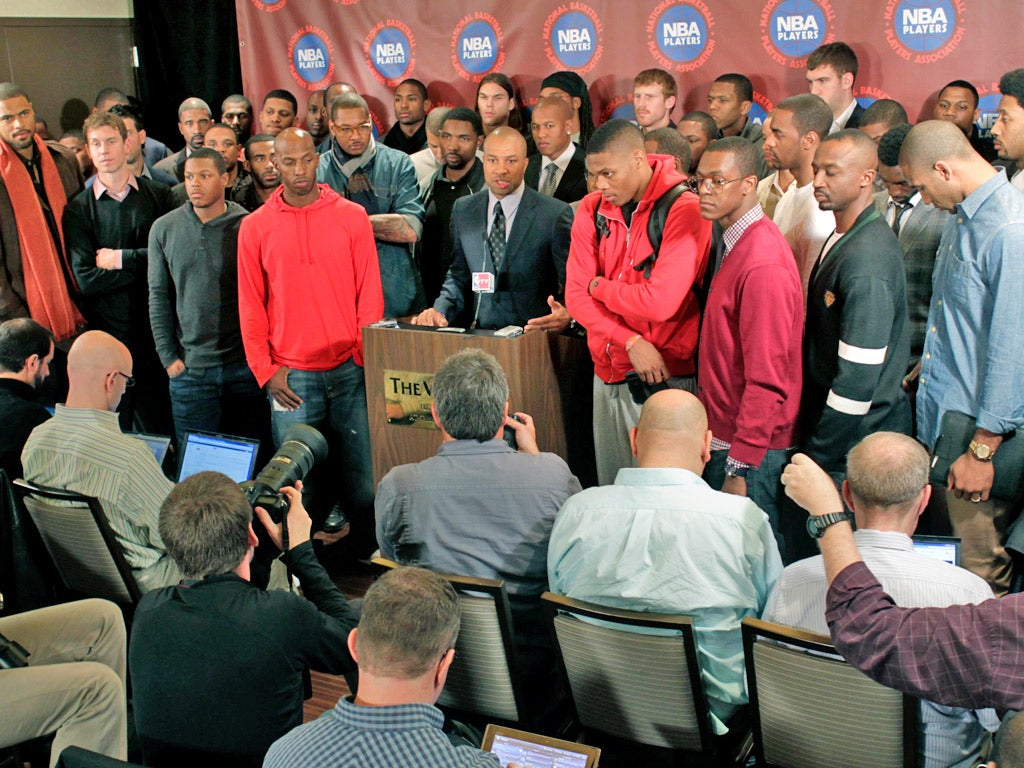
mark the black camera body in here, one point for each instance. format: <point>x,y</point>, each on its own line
<point>303,448</point>
<point>12,655</point>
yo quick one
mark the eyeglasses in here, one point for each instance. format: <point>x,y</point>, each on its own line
<point>348,130</point>
<point>129,381</point>
<point>711,184</point>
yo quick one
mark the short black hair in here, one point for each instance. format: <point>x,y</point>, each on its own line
<point>744,152</point>
<point>466,115</point>
<point>613,132</point>
<point>286,95</point>
<point>886,112</point>
<point>967,86</point>
<point>123,111</point>
<point>891,143</point>
<point>21,338</point>
<point>744,88</point>
<point>257,139</point>
<point>418,85</point>
<point>706,121</point>
<point>1012,84</point>
<point>205,153</point>
<point>110,94</point>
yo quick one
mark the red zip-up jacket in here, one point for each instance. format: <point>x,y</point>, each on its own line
<point>308,281</point>
<point>664,309</point>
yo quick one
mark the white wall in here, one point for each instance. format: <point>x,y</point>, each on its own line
<point>66,9</point>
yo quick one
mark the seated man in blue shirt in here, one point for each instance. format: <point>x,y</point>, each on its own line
<point>479,508</point>
<point>660,539</point>
<point>404,645</point>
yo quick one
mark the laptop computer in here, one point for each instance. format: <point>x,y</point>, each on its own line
<point>946,548</point>
<point>158,444</point>
<point>208,451</point>
<point>525,748</point>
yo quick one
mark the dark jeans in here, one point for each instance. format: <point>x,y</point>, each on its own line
<point>334,402</point>
<point>765,490</point>
<point>222,398</point>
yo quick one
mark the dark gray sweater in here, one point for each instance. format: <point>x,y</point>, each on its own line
<point>193,287</point>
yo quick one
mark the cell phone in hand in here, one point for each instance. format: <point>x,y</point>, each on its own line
<point>510,434</point>
<point>640,389</point>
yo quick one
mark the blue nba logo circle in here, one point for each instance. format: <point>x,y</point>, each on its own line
<point>389,52</point>
<point>797,27</point>
<point>478,47</point>
<point>924,25</point>
<point>757,113</point>
<point>574,39</point>
<point>624,112</point>
<point>311,58</point>
<point>682,33</point>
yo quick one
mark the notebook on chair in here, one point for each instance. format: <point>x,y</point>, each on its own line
<point>532,749</point>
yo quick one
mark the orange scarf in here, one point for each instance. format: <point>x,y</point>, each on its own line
<point>46,289</point>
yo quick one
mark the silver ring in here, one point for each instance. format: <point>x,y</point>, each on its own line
<point>976,500</point>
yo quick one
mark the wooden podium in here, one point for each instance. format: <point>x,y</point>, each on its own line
<point>541,369</point>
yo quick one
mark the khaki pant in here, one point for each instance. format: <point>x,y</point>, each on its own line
<point>981,528</point>
<point>74,685</point>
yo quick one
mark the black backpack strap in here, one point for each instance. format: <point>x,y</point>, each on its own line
<point>656,225</point>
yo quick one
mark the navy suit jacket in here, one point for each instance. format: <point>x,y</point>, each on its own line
<point>536,250</point>
<point>573,184</point>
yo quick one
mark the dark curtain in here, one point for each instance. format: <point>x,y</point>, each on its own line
<point>186,48</point>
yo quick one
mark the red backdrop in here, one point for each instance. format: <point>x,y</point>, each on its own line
<point>907,48</point>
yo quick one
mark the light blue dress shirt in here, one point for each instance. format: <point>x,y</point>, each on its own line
<point>972,360</point>
<point>662,540</point>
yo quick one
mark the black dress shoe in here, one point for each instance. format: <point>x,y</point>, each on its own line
<point>335,521</point>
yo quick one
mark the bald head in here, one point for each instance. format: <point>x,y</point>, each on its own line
<point>934,141</point>
<point>505,137</point>
<point>672,432</point>
<point>294,138</point>
<point>860,148</point>
<point>98,370</point>
<point>553,108</point>
<point>886,477</point>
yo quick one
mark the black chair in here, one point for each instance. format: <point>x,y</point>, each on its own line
<point>81,543</point>
<point>76,757</point>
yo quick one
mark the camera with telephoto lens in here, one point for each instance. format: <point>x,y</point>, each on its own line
<point>303,448</point>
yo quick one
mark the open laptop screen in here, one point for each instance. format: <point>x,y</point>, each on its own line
<point>158,444</point>
<point>204,451</point>
<point>946,548</point>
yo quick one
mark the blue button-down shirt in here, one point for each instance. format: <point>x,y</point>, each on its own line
<point>972,360</point>
<point>662,540</point>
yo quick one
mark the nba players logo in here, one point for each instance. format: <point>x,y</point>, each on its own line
<point>792,29</point>
<point>679,34</point>
<point>572,37</point>
<point>760,108</point>
<point>989,106</point>
<point>476,46</point>
<point>269,5</point>
<point>924,31</point>
<point>389,49</point>
<point>310,58</point>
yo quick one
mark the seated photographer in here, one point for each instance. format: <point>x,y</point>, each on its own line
<point>217,663</point>
<point>73,686</point>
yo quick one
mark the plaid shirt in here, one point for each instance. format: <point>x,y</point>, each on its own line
<point>355,736</point>
<point>965,655</point>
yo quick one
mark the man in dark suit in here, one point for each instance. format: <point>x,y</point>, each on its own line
<point>831,72</point>
<point>559,169</point>
<point>918,226</point>
<point>510,245</point>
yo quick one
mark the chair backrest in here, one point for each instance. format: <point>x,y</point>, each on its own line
<point>81,543</point>
<point>644,688</point>
<point>484,680</point>
<point>76,757</point>
<point>811,709</point>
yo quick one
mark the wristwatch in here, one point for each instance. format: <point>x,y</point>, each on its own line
<point>816,525</point>
<point>981,451</point>
<point>736,471</point>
